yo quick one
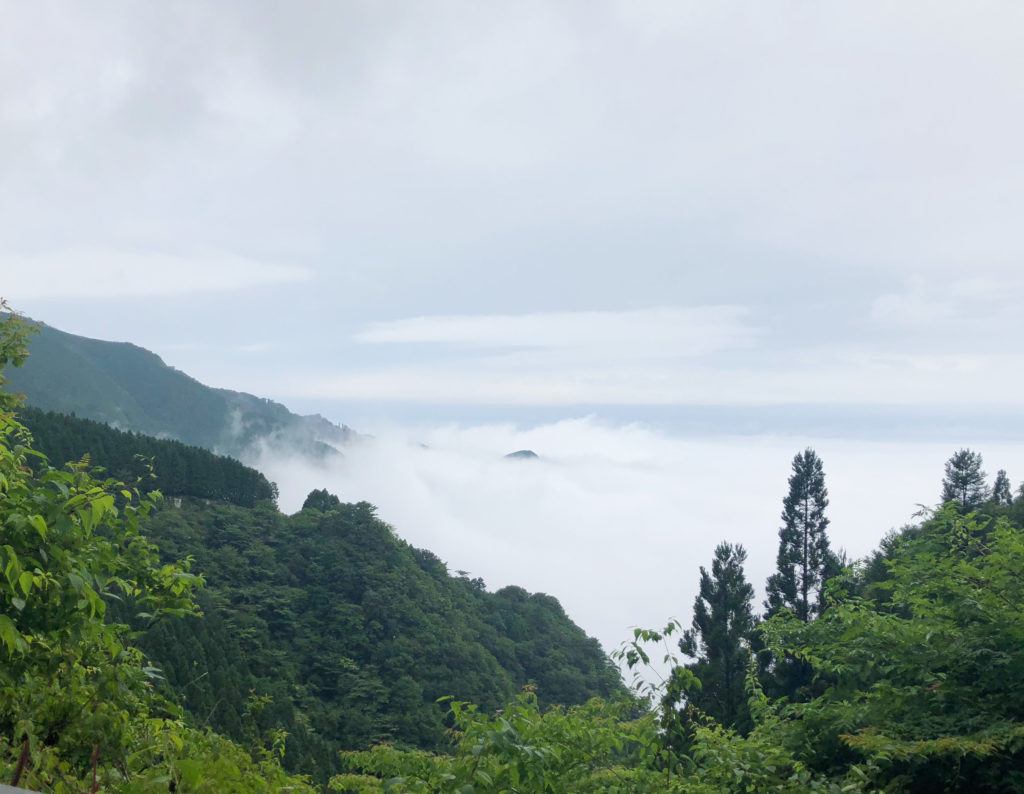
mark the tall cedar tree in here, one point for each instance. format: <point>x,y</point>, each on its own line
<point>1001,491</point>
<point>805,559</point>
<point>964,482</point>
<point>723,620</point>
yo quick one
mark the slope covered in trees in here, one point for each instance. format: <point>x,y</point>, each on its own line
<point>349,634</point>
<point>173,468</point>
<point>319,632</point>
<point>129,387</point>
<point>78,709</point>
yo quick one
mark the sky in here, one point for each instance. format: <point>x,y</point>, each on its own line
<point>786,220</point>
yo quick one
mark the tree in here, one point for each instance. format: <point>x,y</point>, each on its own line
<point>805,560</point>
<point>719,638</point>
<point>14,334</point>
<point>924,680</point>
<point>964,482</point>
<point>79,710</point>
<point>321,499</point>
<point>1001,492</point>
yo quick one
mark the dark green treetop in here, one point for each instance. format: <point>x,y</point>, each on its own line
<point>173,468</point>
<point>805,559</point>
<point>1001,491</point>
<point>964,482</point>
<point>719,638</point>
<point>321,499</point>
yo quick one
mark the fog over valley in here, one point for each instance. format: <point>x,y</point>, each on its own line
<point>613,519</point>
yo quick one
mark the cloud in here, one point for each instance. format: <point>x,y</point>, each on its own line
<point>515,160</point>
<point>657,332</point>
<point>984,302</point>
<point>837,375</point>
<point>109,274</point>
<point>614,520</point>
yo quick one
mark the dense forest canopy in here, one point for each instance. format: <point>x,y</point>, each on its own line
<point>321,631</point>
<point>171,467</point>
<point>79,710</point>
<point>350,633</point>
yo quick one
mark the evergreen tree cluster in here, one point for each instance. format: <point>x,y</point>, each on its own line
<point>966,485</point>
<point>173,468</point>
<point>725,638</point>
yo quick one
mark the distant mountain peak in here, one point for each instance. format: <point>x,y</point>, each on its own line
<point>523,454</point>
<point>132,388</point>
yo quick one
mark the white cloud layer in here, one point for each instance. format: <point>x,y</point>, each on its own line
<point>615,520</point>
<point>660,332</point>
<point>957,306</point>
<point>98,273</point>
<point>638,368</point>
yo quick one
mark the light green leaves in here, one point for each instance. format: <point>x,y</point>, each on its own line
<point>39,523</point>
<point>10,636</point>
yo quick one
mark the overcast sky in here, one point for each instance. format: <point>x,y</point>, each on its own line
<point>620,232</point>
<point>527,204</point>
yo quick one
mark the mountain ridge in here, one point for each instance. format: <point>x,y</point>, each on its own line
<point>131,388</point>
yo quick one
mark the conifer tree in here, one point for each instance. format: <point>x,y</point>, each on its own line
<point>1001,492</point>
<point>719,638</point>
<point>964,482</point>
<point>805,560</point>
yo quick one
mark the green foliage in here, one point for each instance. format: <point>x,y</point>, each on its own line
<point>350,634</point>
<point>924,685</point>
<point>78,708</point>
<point>597,746</point>
<point>601,746</point>
<point>805,560</point>
<point>14,338</point>
<point>719,639</point>
<point>71,545</point>
<point>171,467</point>
<point>320,499</point>
<point>1002,492</point>
<point>964,482</point>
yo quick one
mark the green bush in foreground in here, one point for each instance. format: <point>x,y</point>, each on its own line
<point>915,689</point>
<point>78,710</point>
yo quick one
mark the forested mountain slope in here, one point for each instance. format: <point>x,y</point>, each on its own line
<point>131,388</point>
<point>173,468</point>
<point>345,635</point>
<point>324,624</point>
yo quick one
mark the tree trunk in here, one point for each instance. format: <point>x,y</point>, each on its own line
<point>22,762</point>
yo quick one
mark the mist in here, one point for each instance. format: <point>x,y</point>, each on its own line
<point>615,519</point>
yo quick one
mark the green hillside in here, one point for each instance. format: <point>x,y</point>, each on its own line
<point>324,624</point>
<point>131,388</point>
<point>345,635</point>
<point>173,468</point>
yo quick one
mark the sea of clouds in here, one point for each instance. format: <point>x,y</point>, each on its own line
<point>615,519</point>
